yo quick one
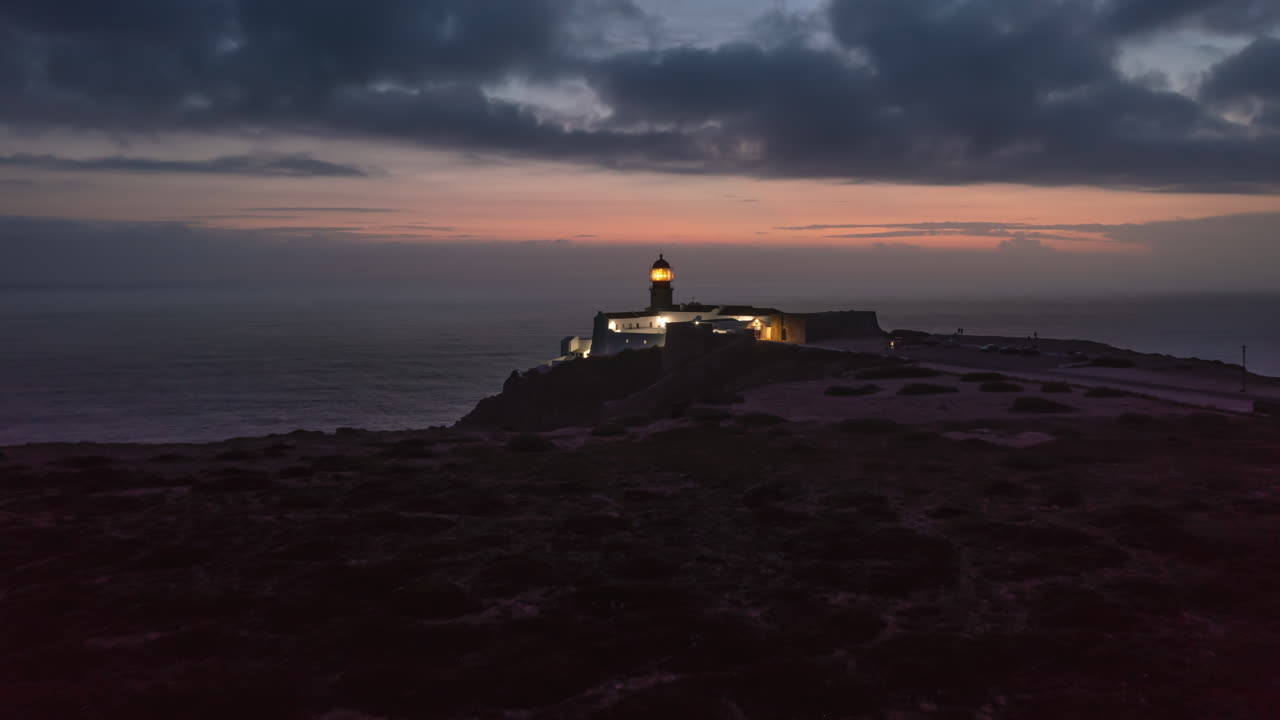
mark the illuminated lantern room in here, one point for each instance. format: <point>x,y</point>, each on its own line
<point>661,271</point>
<point>661,295</point>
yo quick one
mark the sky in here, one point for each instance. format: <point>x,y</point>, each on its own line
<point>1054,143</point>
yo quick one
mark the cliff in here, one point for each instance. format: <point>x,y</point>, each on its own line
<point>570,393</point>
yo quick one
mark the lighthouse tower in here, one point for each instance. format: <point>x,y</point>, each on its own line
<point>660,292</point>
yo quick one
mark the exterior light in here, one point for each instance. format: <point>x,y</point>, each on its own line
<point>661,275</point>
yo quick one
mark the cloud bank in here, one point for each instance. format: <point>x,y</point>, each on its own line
<point>931,91</point>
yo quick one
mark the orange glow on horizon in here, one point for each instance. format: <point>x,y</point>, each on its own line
<point>436,197</point>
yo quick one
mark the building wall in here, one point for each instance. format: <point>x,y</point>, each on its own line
<point>607,342</point>
<point>788,328</point>
<point>637,333</point>
<point>574,345</point>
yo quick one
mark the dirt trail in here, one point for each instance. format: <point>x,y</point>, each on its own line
<point>1135,381</point>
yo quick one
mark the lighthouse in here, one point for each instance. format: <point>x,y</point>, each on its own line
<point>660,292</point>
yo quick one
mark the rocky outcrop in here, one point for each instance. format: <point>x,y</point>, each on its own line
<point>635,384</point>
<point>571,393</point>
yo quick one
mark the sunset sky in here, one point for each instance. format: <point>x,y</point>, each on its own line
<point>1070,126</point>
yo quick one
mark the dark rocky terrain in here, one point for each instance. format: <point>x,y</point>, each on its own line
<point>724,563</point>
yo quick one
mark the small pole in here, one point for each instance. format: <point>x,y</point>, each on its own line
<point>1244,372</point>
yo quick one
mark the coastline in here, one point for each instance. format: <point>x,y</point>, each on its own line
<point>1154,374</point>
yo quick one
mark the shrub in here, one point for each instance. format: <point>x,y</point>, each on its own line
<point>889,372</point>
<point>528,442</point>
<point>1006,488</point>
<point>243,481</point>
<point>719,397</point>
<point>1030,459</point>
<point>86,461</point>
<point>868,426</point>
<point>1055,387</point>
<point>1033,404</point>
<point>927,389</point>
<point>337,463</point>
<point>847,391</point>
<point>707,414</point>
<point>406,450</point>
<point>983,377</point>
<point>765,493</point>
<point>1105,392</point>
<point>1000,387</point>
<point>760,418</point>
<point>1108,361</point>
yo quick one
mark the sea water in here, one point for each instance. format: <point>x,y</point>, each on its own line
<point>193,365</point>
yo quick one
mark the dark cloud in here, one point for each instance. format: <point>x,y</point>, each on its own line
<point>322,229</point>
<point>989,230</point>
<point>1252,76</point>
<point>932,91</point>
<point>434,228</point>
<point>263,165</point>
<point>1023,244</point>
<point>892,234</point>
<point>236,216</point>
<point>1229,16</point>
<point>975,228</point>
<point>320,209</point>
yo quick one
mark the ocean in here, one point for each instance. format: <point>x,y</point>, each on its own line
<point>195,365</point>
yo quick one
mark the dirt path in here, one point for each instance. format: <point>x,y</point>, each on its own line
<point>1144,384</point>
<point>1206,388</point>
